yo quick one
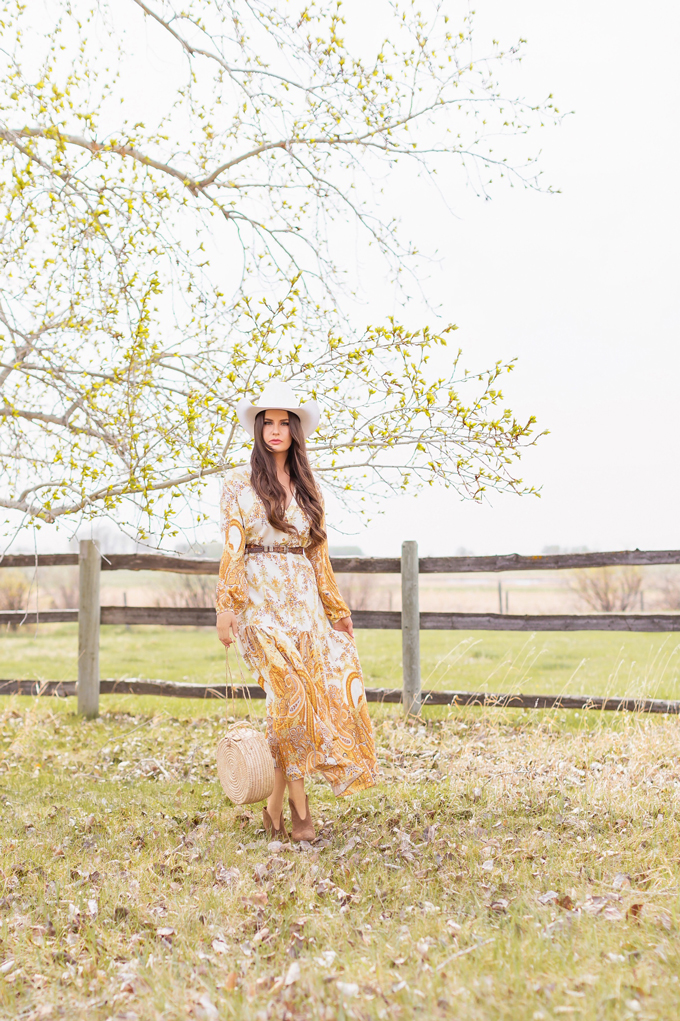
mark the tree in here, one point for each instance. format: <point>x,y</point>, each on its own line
<point>608,589</point>
<point>669,585</point>
<point>158,264</point>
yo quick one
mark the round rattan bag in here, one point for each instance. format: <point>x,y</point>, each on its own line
<point>244,762</point>
<point>245,765</point>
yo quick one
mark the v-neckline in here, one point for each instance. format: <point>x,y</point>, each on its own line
<point>292,501</point>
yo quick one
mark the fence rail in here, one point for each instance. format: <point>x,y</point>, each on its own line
<point>369,565</point>
<point>170,689</point>
<point>90,615</point>
<point>378,620</point>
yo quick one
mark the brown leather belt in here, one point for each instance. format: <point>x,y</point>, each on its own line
<point>275,549</point>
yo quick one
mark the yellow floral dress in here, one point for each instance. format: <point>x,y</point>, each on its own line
<point>285,603</point>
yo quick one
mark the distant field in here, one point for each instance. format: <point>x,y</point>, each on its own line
<point>579,663</point>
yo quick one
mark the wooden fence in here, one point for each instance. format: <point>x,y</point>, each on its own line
<point>90,615</point>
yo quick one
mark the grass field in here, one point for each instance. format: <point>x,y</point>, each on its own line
<point>591,663</point>
<point>508,866</point>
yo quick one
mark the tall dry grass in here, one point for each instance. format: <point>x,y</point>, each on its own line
<point>508,866</point>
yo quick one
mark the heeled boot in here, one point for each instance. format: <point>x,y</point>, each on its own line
<point>271,830</point>
<point>302,829</point>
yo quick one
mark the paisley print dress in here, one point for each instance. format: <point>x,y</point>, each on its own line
<point>285,603</point>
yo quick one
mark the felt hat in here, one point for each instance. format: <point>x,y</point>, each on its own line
<point>278,395</point>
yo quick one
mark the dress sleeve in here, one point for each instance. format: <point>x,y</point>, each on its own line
<point>335,606</point>
<point>232,588</point>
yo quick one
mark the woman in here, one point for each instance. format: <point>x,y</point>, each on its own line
<point>277,597</point>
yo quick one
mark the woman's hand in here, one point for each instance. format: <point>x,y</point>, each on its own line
<point>227,627</point>
<point>344,624</point>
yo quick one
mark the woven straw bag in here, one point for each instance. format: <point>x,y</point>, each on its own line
<point>244,761</point>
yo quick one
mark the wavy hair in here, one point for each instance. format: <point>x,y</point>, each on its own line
<point>267,486</point>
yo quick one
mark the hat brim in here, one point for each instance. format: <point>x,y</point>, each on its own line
<point>308,414</point>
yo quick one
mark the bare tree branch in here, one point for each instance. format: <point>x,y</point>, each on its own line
<point>155,272</point>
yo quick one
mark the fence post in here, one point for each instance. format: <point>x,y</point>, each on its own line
<point>88,629</point>
<point>410,628</point>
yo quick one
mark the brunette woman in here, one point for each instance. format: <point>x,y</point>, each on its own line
<point>278,599</point>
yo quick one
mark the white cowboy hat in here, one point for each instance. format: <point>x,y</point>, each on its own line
<point>278,395</point>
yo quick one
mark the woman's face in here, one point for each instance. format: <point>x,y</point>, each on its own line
<point>276,430</point>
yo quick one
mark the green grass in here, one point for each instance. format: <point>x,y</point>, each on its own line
<point>591,663</point>
<point>508,866</point>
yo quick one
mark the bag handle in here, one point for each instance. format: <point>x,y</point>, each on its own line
<point>244,686</point>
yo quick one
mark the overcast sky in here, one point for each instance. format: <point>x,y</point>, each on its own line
<point>582,287</point>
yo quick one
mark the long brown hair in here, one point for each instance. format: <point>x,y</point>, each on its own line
<point>267,486</point>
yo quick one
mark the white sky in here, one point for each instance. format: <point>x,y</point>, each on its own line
<point>582,286</point>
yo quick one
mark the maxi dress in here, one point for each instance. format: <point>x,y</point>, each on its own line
<point>285,604</point>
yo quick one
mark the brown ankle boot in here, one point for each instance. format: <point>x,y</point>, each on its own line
<point>302,829</point>
<point>270,829</point>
